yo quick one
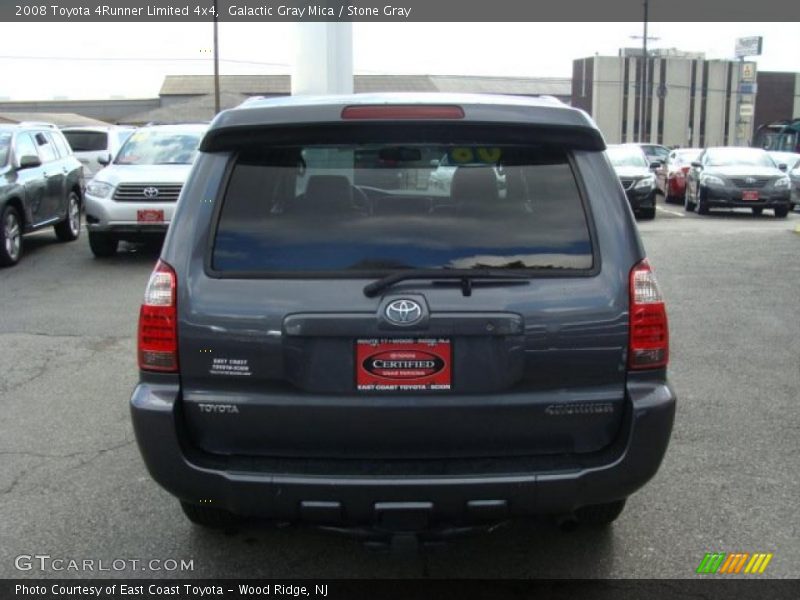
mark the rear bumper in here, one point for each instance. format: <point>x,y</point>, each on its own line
<point>107,215</point>
<point>640,199</point>
<point>732,197</point>
<point>365,492</point>
<point>677,186</point>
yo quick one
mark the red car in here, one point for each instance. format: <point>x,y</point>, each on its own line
<point>672,176</point>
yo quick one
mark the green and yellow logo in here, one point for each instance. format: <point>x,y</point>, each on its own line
<point>722,563</point>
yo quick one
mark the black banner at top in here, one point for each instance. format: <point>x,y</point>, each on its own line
<point>396,10</point>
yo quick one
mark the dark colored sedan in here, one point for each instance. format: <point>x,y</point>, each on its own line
<point>635,173</point>
<point>737,178</point>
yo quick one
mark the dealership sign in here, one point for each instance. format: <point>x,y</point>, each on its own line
<point>748,46</point>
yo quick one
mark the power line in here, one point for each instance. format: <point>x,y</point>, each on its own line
<point>143,59</point>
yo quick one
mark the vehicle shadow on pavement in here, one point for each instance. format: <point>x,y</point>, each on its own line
<point>518,549</point>
<point>767,215</point>
<point>36,242</point>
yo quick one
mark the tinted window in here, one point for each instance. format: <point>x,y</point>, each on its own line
<point>371,207</point>
<point>25,146</point>
<point>5,147</point>
<point>46,149</point>
<point>87,141</point>
<point>150,147</point>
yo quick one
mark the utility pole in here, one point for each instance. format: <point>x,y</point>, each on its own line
<point>216,62</point>
<point>645,62</point>
<point>643,75</point>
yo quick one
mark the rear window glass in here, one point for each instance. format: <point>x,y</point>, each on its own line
<point>374,207</point>
<point>87,141</point>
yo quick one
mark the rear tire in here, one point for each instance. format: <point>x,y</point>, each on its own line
<point>688,205</point>
<point>207,516</point>
<point>702,203</point>
<point>600,515</point>
<point>781,212</point>
<point>70,228</point>
<point>757,211</point>
<point>10,237</point>
<point>103,245</point>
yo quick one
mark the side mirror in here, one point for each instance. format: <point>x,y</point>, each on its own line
<point>104,160</point>
<point>656,164</point>
<point>29,161</point>
<point>697,164</point>
<point>783,167</point>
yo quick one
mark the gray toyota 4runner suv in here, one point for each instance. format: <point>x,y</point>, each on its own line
<point>326,339</point>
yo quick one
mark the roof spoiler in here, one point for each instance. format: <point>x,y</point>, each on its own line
<point>575,137</point>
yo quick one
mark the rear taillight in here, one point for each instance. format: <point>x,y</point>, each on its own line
<point>158,333</point>
<point>391,112</point>
<point>648,341</point>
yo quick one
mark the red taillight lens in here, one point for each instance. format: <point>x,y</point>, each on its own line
<point>648,338</point>
<point>158,332</point>
<point>402,111</point>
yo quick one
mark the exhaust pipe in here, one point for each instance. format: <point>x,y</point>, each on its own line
<point>567,523</point>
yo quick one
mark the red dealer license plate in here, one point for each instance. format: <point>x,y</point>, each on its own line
<point>403,365</point>
<point>750,195</point>
<point>150,216</point>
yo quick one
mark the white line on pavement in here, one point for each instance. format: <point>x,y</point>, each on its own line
<point>672,212</point>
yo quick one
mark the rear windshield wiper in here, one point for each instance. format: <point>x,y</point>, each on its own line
<point>466,276</point>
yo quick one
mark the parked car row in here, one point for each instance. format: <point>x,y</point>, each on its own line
<point>703,179</point>
<point>46,180</point>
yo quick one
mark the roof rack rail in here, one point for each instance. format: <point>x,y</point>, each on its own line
<point>36,124</point>
<point>193,122</point>
<point>549,97</point>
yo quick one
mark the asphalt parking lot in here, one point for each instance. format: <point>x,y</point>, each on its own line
<point>73,486</point>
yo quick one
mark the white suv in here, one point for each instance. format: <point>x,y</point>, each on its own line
<point>135,196</point>
<point>95,147</point>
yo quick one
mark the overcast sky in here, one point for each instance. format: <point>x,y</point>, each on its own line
<point>37,64</point>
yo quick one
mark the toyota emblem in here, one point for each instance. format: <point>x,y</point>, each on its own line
<point>403,312</point>
<point>150,192</point>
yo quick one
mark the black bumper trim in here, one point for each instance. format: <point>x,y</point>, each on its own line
<point>632,461</point>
